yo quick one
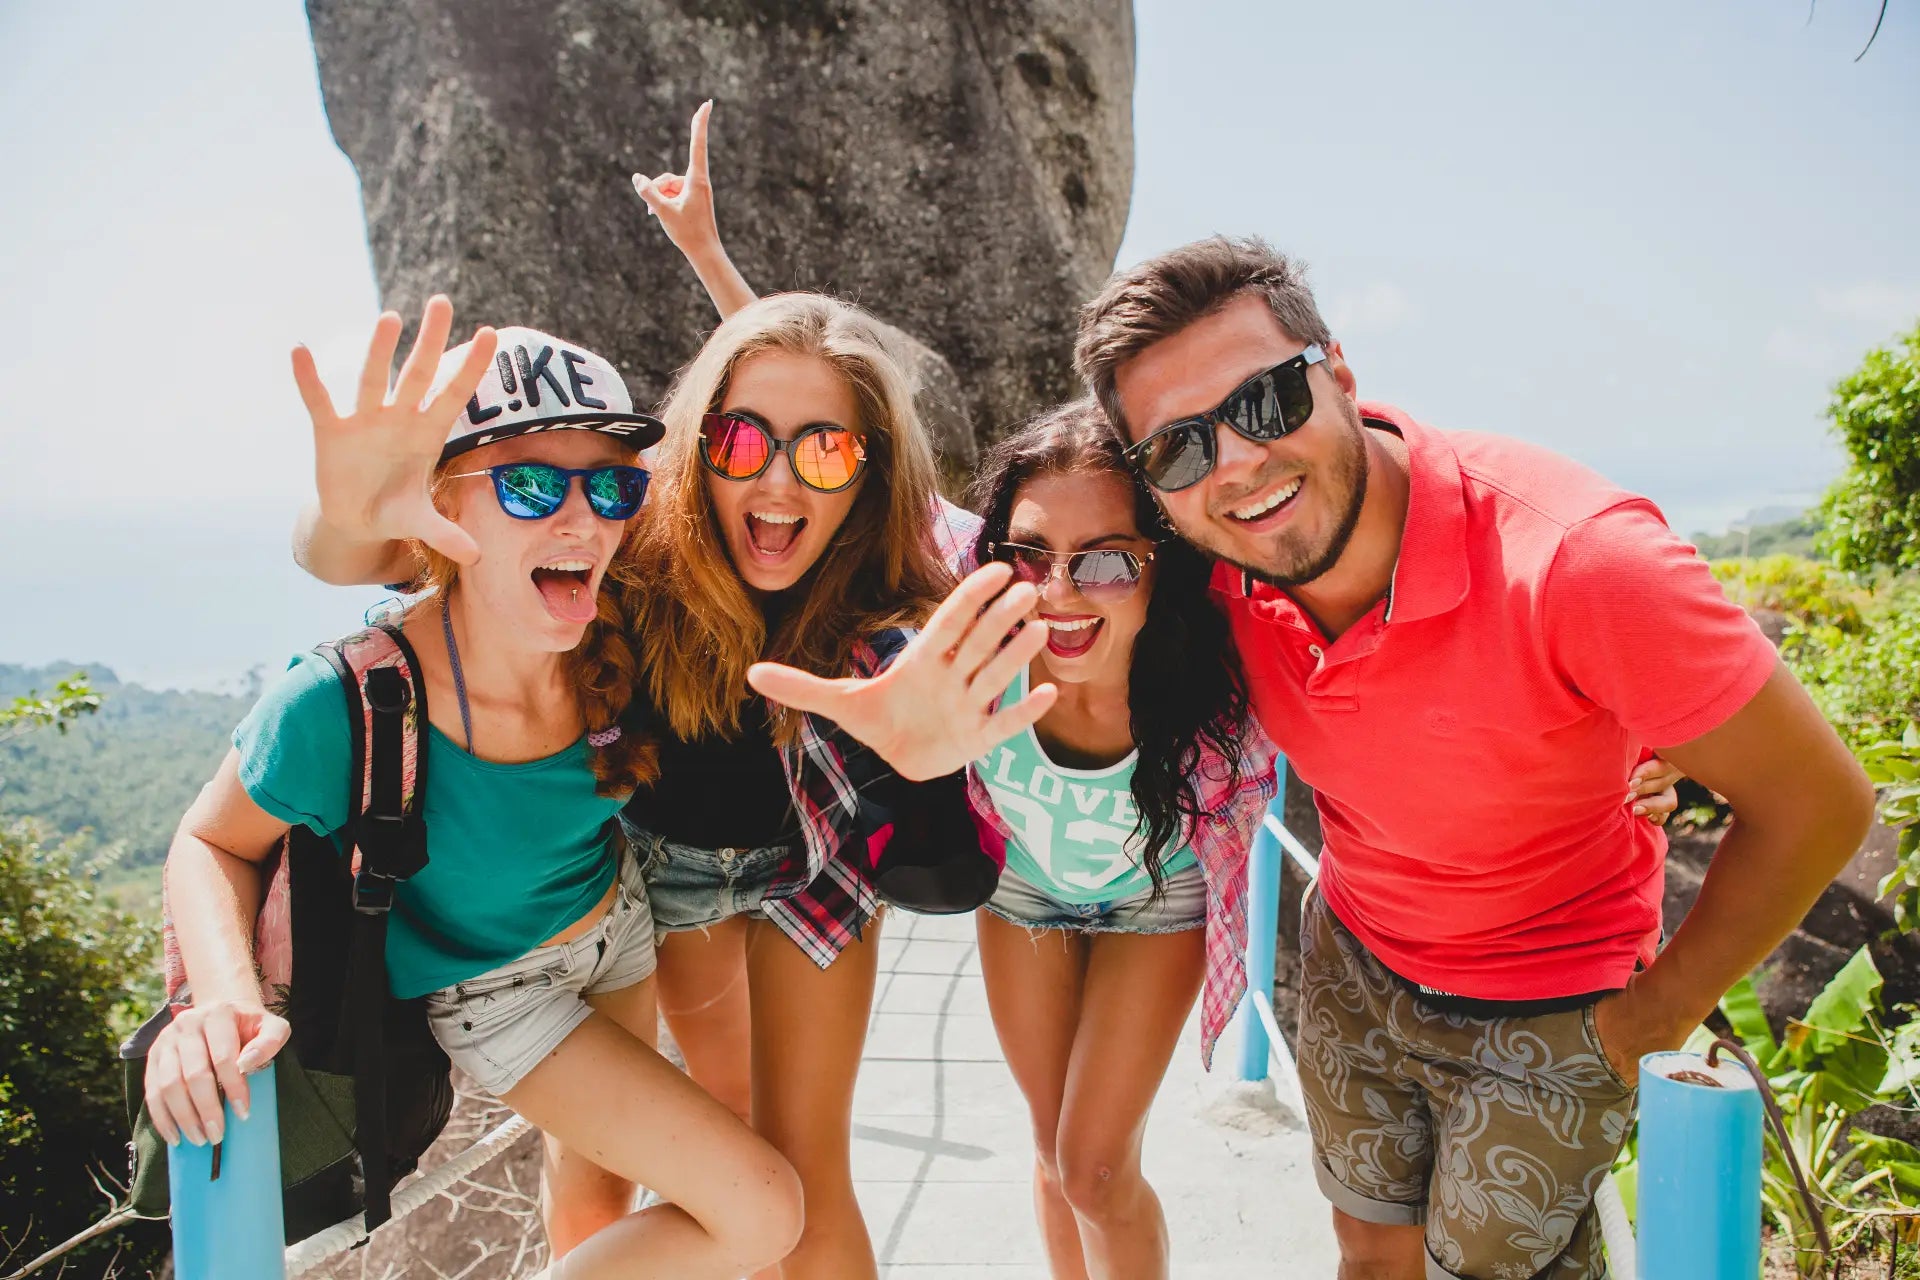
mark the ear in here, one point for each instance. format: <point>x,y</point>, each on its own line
<point>1342,372</point>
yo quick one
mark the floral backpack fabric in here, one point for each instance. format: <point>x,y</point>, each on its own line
<point>363,1087</point>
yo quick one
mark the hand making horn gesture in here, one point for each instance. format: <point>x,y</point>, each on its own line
<point>374,466</point>
<point>684,202</point>
<point>932,711</point>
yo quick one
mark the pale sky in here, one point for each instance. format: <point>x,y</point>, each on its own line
<point>1648,235</point>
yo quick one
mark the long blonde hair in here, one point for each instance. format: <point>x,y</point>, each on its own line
<point>600,667</point>
<point>694,623</point>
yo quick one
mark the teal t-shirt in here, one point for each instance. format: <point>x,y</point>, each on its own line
<point>1074,830</point>
<point>516,852</point>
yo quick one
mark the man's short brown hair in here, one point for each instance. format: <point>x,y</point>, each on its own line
<point>1164,295</point>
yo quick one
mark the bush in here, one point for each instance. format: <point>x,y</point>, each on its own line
<point>1856,647</point>
<point>1872,512</point>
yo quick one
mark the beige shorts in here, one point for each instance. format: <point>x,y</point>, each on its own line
<point>501,1025</point>
<point>1494,1133</point>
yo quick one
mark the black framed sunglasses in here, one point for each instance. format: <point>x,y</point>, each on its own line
<point>1106,573</point>
<point>1264,407</point>
<point>825,457</point>
<point>535,490</point>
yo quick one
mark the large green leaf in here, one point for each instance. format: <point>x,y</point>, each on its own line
<point>1839,1012</point>
<point>1742,1007</point>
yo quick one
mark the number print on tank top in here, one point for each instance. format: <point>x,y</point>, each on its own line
<point>1081,831</point>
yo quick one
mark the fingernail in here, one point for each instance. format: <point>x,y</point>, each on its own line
<point>196,1140</point>
<point>174,1141</point>
<point>1640,809</point>
<point>216,1133</point>
<point>240,1110</point>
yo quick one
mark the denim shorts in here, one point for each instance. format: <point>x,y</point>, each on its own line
<point>692,888</point>
<point>501,1025</point>
<point>1181,907</point>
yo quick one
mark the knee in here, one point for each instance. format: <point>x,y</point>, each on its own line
<point>1096,1182</point>
<point>579,1201</point>
<point>1393,1249</point>
<point>768,1222</point>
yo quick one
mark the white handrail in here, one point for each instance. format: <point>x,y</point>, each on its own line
<point>342,1236</point>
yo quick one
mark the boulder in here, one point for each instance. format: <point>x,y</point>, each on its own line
<point>963,170</point>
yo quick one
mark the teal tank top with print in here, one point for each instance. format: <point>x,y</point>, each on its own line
<point>1074,830</point>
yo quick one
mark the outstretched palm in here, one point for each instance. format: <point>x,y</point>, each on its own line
<point>932,711</point>
<point>374,466</point>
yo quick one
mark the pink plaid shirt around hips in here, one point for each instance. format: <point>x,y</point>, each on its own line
<point>1232,811</point>
<point>824,896</point>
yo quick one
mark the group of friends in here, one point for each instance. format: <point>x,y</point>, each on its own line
<point>668,701</point>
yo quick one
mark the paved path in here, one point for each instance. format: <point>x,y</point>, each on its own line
<point>942,1155</point>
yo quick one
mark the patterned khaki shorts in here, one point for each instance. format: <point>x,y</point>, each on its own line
<point>1494,1133</point>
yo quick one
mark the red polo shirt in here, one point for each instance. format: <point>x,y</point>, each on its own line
<point>1470,738</point>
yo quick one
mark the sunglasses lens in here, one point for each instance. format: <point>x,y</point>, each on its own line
<point>736,448</point>
<point>1177,459</point>
<point>1278,402</point>
<point>1105,572</point>
<point>530,490</point>
<point>826,459</point>
<point>615,493</point>
<point>1029,564</point>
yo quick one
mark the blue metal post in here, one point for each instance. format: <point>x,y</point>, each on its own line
<point>1700,1154</point>
<point>229,1227</point>
<point>1263,927</point>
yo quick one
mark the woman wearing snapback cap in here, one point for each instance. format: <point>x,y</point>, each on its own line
<point>794,520</point>
<point>528,933</point>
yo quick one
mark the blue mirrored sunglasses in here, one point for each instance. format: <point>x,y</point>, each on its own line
<point>534,490</point>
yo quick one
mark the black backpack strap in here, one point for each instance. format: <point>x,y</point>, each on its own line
<point>391,837</point>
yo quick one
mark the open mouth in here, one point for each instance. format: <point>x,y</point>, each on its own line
<point>1071,637</point>
<point>772,534</point>
<point>1271,509</point>
<point>566,588</point>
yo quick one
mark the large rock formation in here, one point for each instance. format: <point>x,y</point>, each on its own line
<point>961,168</point>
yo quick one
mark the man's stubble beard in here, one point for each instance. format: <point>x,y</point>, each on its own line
<point>1299,566</point>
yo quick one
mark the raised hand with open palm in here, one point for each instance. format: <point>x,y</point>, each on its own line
<point>933,710</point>
<point>374,466</point>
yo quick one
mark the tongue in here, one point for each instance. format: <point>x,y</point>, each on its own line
<point>769,538</point>
<point>566,597</point>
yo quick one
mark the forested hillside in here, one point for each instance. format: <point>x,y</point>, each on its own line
<point>126,772</point>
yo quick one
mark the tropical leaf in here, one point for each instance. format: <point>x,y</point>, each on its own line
<point>1839,1012</point>
<point>1742,1007</point>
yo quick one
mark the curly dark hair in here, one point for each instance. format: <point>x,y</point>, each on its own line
<point>1184,683</point>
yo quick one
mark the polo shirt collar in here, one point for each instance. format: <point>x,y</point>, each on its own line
<point>1431,576</point>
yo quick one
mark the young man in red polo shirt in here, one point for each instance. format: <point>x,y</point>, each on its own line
<point>1419,610</point>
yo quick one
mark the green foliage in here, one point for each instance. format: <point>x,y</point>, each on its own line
<point>1855,646</point>
<point>74,970</point>
<point>1872,511</point>
<point>72,698</point>
<point>1895,768</point>
<point>156,747</point>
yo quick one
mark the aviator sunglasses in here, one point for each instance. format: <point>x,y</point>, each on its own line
<point>1104,574</point>
<point>825,458</point>
<point>1263,408</point>
<point>534,490</point>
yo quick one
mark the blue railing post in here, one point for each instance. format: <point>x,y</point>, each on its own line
<point>1263,929</point>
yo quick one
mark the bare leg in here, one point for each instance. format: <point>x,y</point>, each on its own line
<point>577,1196</point>
<point>809,1026</point>
<point>1371,1251</point>
<point>735,1203</point>
<point>1034,981</point>
<point>703,993</point>
<point>1139,990</point>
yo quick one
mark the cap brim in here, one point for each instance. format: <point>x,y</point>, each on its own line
<point>639,430</point>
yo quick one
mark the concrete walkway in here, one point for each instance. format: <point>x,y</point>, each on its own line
<point>942,1155</point>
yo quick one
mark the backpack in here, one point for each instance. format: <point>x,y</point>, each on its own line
<point>363,1087</point>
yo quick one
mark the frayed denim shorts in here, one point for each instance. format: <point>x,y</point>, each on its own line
<point>1181,907</point>
<point>501,1025</point>
<point>693,888</point>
